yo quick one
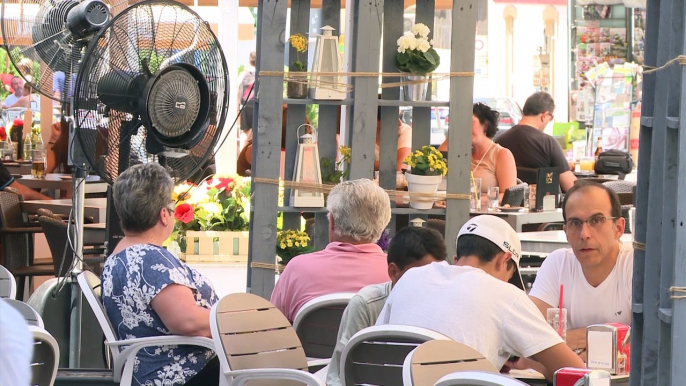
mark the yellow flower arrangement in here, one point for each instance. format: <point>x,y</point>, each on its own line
<point>299,43</point>
<point>291,243</point>
<point>334,173</point>
<point>427,162</point>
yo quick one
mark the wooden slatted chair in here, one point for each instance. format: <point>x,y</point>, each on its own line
<point>375,355</point>
<point>317,323</point>
<point>478,378</point>
<point>434,359</point>
<point>256,344</point>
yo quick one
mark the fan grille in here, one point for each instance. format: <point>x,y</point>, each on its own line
<point>146,38</point>
<point>174,103</point>
<point>41,46</point>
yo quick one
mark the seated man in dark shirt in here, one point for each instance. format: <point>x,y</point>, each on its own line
<point>531,147</point>
<point>6,180</point>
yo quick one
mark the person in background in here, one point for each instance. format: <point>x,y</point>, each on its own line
<point>410,247</point>
<point>16,347</point>
<point>531,147</point>
<point>474,302</point>
<point>6,179</point>
<point>148,292</point>
<point>244,161</point>
<point>358,213</point>
<point>491,162</point>
<point>25,99</point>
<point>58,151</point>
<point>18,87</point>
<point>246,96</point>
<point>404,142</point>
<point>596,272</point>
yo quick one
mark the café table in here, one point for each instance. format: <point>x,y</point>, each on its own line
<point>534,378</point>
<point>93,207</point>
<point>60,182</point>
<point>518,219</point>
<point>543,243</point>
<point>18,167</point>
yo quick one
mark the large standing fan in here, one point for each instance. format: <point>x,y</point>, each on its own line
<point>45,39</point>
<point>153,87</point>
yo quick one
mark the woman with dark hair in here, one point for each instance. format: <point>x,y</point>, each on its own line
<point>58,151</point>
<point>494,164</point>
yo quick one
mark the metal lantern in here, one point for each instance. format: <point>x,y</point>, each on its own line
<point>307,171</point>
<point>327,59</point>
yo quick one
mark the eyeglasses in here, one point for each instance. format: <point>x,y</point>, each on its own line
<point>552,117</point>
<point>171,208</point>
<point>595,222</point>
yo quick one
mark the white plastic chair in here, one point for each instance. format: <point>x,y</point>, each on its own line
<point>32,316</point>
<point>255,341</point>
<point>8,285</point>
<point>124,358</point>
<point>376,354</point>
<point>46,357</point>
<point>436,358</point>
<point>478,378</point>
<point>317,323</point>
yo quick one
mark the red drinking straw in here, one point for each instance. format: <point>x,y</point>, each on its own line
<point>559,316</point>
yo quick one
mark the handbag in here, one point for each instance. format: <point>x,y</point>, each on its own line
<point>614,162</point>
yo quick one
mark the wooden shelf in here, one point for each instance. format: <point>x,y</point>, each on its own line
<point>383,102</point>
<point>309,101</point>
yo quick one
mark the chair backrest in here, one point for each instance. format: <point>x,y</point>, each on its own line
<point>252,334</point>
<point>620,186</point>
<point>528,175</point>
<point>375,355</point>
<point>434,359</point>
<point>514,195</point>
<point>478,378</point>
<point>17,246</point>
<point>317,323</point>
<point>89,282</point>
<point>56,234</point>
<point>29,313</point>
<point>46,354</point>
<point>8,286</point>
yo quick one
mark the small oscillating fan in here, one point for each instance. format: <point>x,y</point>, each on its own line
<point>153,87</point>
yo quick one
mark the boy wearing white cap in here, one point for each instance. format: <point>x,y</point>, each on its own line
<point>473,303</point>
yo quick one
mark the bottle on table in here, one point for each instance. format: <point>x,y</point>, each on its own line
<point>27,148</point>
<point>599,147</point>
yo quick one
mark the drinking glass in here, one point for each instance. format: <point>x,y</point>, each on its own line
<point>475,196</point>
<point>493,198</point>
<point>553,319</point>
<point>586,165</point>
<point>38,165</point>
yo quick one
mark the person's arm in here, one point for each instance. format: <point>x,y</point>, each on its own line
<point>576,338</point>
<point>550,360</point>
<point>50,160</point>
<point>24,102</point>
<point>355,318</point>
<point>175,304</point>
<point>505,171</point>
<point>444,145</point>
<point>28,193</point>
<point>567,180</point>
<point>403,152</point>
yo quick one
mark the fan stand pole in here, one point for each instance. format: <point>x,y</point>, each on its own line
<point>80,173</point>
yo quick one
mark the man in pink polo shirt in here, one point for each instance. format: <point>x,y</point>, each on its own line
<point>358,213</point>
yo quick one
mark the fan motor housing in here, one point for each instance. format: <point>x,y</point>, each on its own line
<point>87,18</point>
<point>175,105</point>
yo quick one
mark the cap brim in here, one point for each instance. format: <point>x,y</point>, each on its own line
<point>517,280</point>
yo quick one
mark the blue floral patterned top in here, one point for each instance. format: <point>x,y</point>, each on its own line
<point>130,280</point>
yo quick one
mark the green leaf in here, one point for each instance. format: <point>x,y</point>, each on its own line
<point>402,58</point>
<point>430,58</point>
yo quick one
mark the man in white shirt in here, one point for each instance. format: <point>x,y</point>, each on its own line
<point>18,87</point>
<point>16,347</point>
<point>473,303</point>
<point>596,273</point>
<point>410,247</point>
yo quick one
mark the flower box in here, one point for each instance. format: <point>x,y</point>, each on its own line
<point>214,246</point>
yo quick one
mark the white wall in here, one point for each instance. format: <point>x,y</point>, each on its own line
<point>528,36</point>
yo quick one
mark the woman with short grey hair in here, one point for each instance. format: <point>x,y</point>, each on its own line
<point>358,210</point>
<point>147,291</point>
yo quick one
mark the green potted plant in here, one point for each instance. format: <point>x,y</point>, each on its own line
<point>417,58</point>
<point>427,170</point>
<point>291,243</point>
